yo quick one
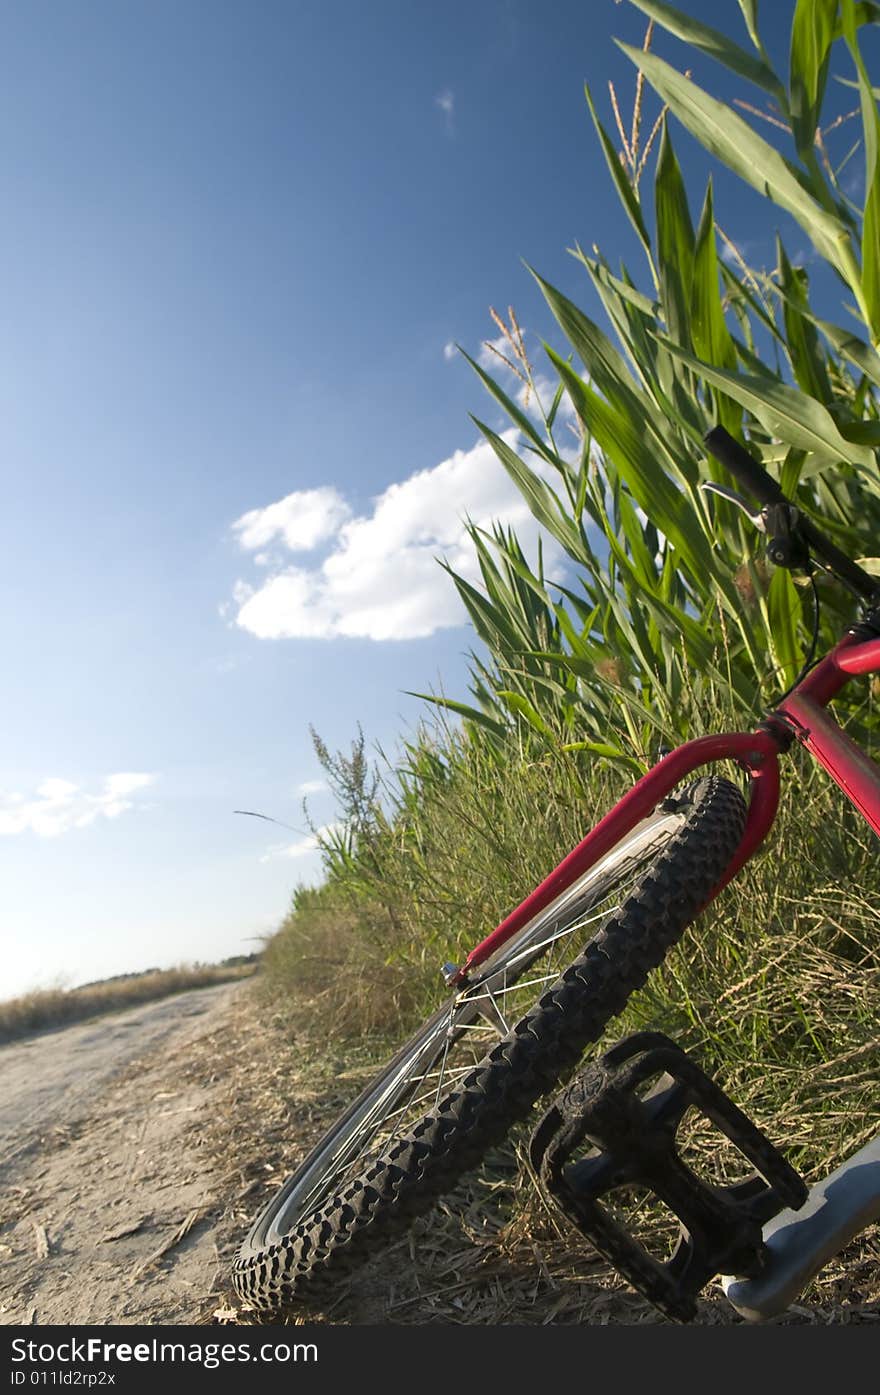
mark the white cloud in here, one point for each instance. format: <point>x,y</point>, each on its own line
<point>59,806</point>
<point>445,100</point>
<point>227,665</point>
<point>854,184</point>
<point>492,351</point>
<point>378,575</point>
<point>733,252</point>
<point>311,787</point>
<point>303,846</point>
<point>301,521</point>
<point>380,579</point>
<point>449,351</point>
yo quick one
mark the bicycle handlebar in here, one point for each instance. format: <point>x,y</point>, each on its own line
<point>743,467</point>
<point>753,477</point>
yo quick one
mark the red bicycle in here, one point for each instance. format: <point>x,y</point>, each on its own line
<point>518,1020</point>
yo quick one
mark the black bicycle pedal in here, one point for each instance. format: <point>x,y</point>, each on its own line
<point>626,1136</point>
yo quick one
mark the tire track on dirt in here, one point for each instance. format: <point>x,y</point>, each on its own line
<point>50,1080</point>
<point>107,1206</point>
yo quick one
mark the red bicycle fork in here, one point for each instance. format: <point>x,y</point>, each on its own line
<point>800,716</point>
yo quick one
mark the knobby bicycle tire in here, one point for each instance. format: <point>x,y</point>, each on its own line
<point>541,1049</point>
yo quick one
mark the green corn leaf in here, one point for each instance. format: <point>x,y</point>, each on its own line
<point>711,337</point>
<point>716,45</point>
<point>673,621</point>
<point>554,406</point>
<point>850,82</point>
<point>631,315</point>
<point>750,15</point>
<point>634,532</point>
<point>865,432</point>
<point>738,289</point>
<point>621,618</point>
<point>624,305</point>
<point>473,714</point>
<point>675,241</point>
<point>871,253</point>
<point>783,411</point>
<point>582,665</point>
<point>523,708</point>
<point>617,434</point>
<point>784,608</point>
<point>567,627</point>
<point>604,363</point>
<point>629,702</point>
<point>525,424</point>
<point>488,620</point>
<point>812,33</point>
<point>539,496</point>
<point>791,472</point>
<point>725,135</point>
<point>517,565</point>
<point>579,606</point>
<point>871,217</point>
<point>540,686</point>
<point>634,631</point>
<point>752,363</point>
<point>607,369</point>
<point>606,751</point>
<point>599,271</point>
<point>866,12</point>
<point>626,193</point>
<point>804,349</point>
<point>847,344</point>
<point>739,307</point>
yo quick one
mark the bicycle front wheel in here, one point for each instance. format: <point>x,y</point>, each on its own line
<point>482,1060</point>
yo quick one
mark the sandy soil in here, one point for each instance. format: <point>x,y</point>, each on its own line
<point>108,1202</point>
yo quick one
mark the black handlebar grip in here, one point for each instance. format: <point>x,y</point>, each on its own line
<point>764,487</point>
<point>745,467</point>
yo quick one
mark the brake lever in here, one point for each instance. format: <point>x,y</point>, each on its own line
<point>756,519</point>
<point>786,545</point>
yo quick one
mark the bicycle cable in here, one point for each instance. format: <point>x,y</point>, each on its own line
<point>811,660</point>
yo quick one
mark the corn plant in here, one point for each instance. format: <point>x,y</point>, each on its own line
<point>669,592</point>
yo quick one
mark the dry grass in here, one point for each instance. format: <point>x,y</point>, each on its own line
<point>55,1007</point>
<point>346,974</point>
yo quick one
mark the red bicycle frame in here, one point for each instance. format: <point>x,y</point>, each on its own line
<point>800,716</point>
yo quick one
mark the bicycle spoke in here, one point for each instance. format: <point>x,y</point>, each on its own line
<point>478,1017</point>
<point>443,1065</point>
<point>533,949</point>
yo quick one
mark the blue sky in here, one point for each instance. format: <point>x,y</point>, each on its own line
<point>237,244</point>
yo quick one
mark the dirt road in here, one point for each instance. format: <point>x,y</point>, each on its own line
<point>102,1181</point>
<point>135,1152</point>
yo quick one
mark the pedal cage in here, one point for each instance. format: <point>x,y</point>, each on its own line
<point>630,1140</point>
